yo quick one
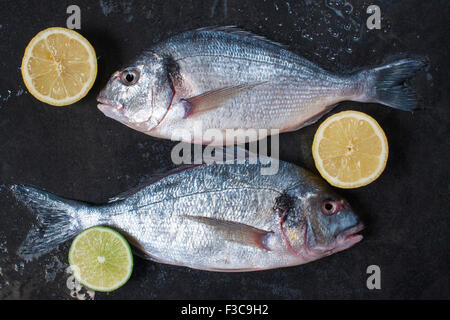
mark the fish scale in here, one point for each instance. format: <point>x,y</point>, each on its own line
<point>279,99</point>
<point>225,78</point>
<point>219,217</point>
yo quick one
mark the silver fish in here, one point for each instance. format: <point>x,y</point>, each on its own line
<point>217,217</point>
<point>225,78</point>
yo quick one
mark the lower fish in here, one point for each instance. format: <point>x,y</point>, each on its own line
<point>218,217</point>
<point>200,85</point>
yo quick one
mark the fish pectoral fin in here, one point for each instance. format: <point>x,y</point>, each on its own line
<point>214,99</point>
<point>235,231</point>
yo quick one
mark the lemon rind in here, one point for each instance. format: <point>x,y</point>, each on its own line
<point>378,132</point>
<point>92,61</point>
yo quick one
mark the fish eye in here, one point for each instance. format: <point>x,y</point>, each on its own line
<point>329,207</point>
<point>129,77</point>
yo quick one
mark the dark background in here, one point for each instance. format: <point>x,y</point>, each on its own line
<point>77,152</point>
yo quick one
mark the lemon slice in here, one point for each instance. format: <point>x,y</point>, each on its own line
<point>101,259</point>
<point>59,66</point>
<point>350,149</point>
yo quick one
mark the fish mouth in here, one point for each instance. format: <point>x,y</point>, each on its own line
<point>116,111</point>
<point>112,109</point>
<point>346,239</point>
<point>108,103</point>
<point>350,236</point>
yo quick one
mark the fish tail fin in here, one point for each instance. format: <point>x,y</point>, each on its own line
<point>386,84</point>
<point>57,220</point>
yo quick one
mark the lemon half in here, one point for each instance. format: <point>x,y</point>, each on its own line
<point>59,66</point>
<point>350,149</point>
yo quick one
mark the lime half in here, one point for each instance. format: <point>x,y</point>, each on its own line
<point>101,259</point>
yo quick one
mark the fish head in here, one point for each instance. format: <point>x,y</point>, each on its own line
<point>332,224</point>
<point>318,223</point>
<point>138,95</point>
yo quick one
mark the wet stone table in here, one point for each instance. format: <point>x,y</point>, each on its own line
<point>77,152</point>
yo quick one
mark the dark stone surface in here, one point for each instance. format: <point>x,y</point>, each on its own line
<point>78,153</point>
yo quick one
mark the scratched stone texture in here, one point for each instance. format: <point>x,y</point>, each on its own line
<point>78,153</point>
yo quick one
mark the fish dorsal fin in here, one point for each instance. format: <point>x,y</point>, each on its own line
<point>214,99</point>
<point>242,33</point>
<point>235,231</point>
<point>150,180</point>
<point>221,155</point>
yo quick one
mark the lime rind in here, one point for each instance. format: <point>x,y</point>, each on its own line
<point>82,278</point>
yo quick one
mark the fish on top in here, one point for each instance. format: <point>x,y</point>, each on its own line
<point>217,217</point>
<point>225,78</point>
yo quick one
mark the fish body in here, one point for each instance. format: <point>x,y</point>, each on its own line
<point>217,217</point>
<point>226,78</point>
